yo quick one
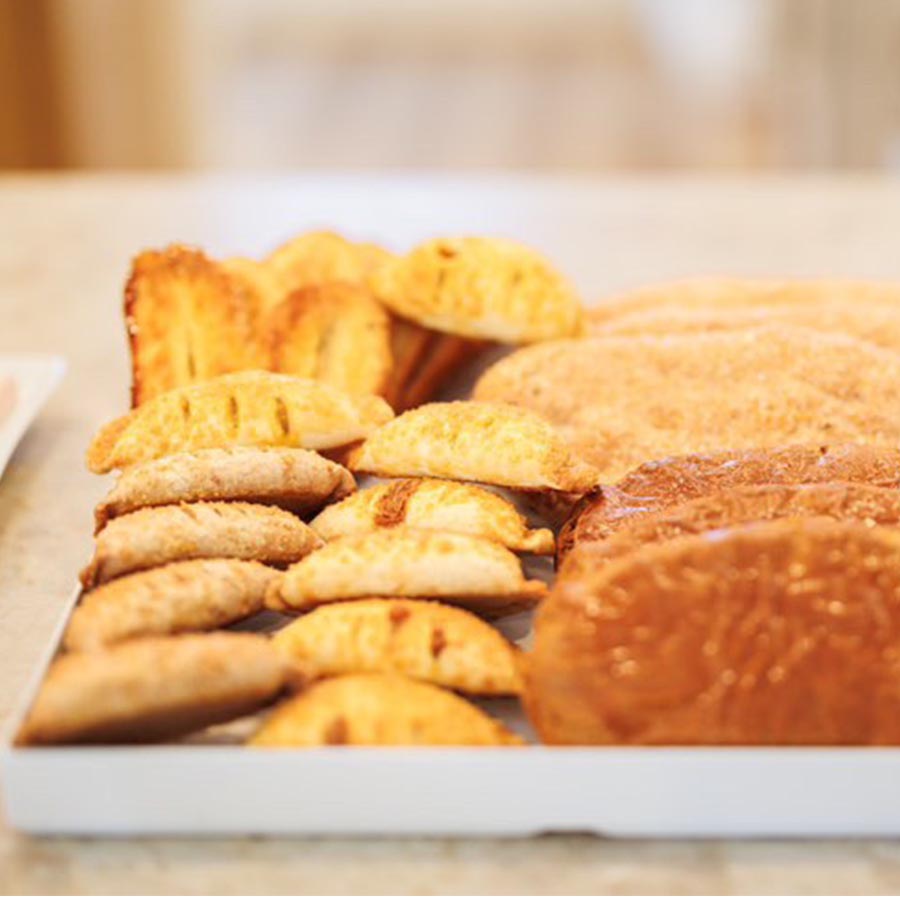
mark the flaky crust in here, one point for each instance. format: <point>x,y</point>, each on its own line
<point>427,641</point>
<point>319,257</point>
<point>736,506</point>
<point>668,482</point>
<point>336,333</point>
<point>782,632</point>
<point>379,710</point>
<point>197,595</point>
<point>487,442</point>
<point>163,534</point>
<point>262,281</point>
<point>188,320</point>
<point>480,288</point>
<point>405,562</point>
<point>253,408</point>
<point>621,401</point>
<point>437,505</point>
<point>153,688</point>
<point>299,480</point>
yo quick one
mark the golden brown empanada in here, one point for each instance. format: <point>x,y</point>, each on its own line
<point>152,688</point>
<point>379,710</point>
<point>435,504</point>
<point>480,288</point>
<point>487,442</point>
<point>299,480</point>
<point>336,333</point>
<point>188,320</point>
<point>405,562</point>
<point>259,409</point>
<point>197,595</point>
<point>318,257</point>
<point>163,534</point>
<point>428,641</point>
<point>263,280</point>
<point>621,401</point>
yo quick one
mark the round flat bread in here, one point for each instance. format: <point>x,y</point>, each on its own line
<point>153,688</point>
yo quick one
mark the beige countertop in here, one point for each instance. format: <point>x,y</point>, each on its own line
<point>64,248</point>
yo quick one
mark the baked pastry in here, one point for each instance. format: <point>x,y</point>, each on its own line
<point>153,688</point>
<point>318,257</point>
<point>163,534</point>
<point>197,595</point>
<point>299,480</point>
<point>781,632</point>
<point>427,641</point>
<point>405,562</point>
<point>480,288</point>
<point>486,442</point>
<point>265,284</point>
<point>336,333</point>
<point>621,401</point>
<point>259,409</point>
<point>669,482</point>
<point>188,320</point>
<point>736,506</point>
<point>435,504</point>
<point>722,295</point>
<point>379,710</point>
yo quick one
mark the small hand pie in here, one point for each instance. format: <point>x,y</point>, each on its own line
<point>299,480</point>
<point>319,257</point>
<point>153,688</point>
<point>163,534</point>
<point>336,333</point>
<point>428,641</point>
<point>486,442</point>
<point>480,288</point>
<point>380,710</point>
<point>780,632</point>
<point>188,320</point>
<point>198,595</point>
<point>619,401</point>
<point>665,483</point>
<point>266,284</point>
<point>259,409</point>
<point>437,505</point>
<point>736,506</point>
<point>403,562</point>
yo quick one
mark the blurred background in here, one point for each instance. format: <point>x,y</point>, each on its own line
<point>549,85</point>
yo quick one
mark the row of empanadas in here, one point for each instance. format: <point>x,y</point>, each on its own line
<point>159,535</point>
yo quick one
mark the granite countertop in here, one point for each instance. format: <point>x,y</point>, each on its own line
<point>65,243</point>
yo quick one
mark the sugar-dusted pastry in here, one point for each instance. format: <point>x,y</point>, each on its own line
<point>266,284</point>
<point>196,595</point>
<point>779,632</point>
<point>487,442</point>
<point>424,640</point>
<point>435,504</point>
<point>337,333</point>
<point>153,688</point>
<point>259,409</point>
<point>379,710</point>
<point>722,295</point>
<point>739,505</point>
<point>188,320</point>
<point>620,401</point>
<point>405,562</point>
<point>665,483</point>
<point>317,257</point>
<point>163,534</point>
<point>302,481</point>
<point>480,288</point>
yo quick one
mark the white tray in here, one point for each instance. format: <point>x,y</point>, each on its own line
<point>35,377</point>
<point>615,792</point>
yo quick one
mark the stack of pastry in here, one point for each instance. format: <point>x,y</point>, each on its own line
<point>227,504</point>
<point>735,580</point>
